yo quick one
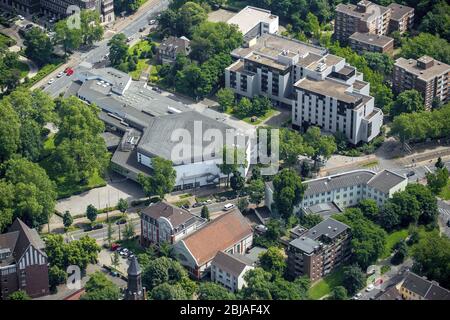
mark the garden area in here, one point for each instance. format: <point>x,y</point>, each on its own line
<point>324,286</point>
<point>141,50</point>
<point>445,193</point>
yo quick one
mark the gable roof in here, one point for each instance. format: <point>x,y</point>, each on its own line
<point>26,237</point>
<point>7,244</point>
<point>220,234</point>
<point>175,215</point>
<point>427,289</point>
<point>385,180</point>
<point>232,263</point>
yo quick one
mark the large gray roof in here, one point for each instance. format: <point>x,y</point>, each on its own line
<point>427,289</point>
<point>385,180</point>
<point>306,245</point>
<point>232,263</point>
<point>157,139</point>
<point>118,79</point>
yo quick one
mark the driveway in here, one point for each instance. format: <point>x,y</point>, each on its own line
<point>103,197</point>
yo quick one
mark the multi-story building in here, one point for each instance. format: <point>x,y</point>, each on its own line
<point>361,42</point>
<point>229,270</point>
<point>163,222</point>
<point>402,18</point>
<point>347,189</point>
<point>230,233</point>
<point>23,262</point>
<point>414,287</point>
<point>428,76</point>
<point>319,88</point>
<point>168,50</point>
<point>22,6</point>
<point>365,17</point>
<point>371,19</point>
<point>319,250</point>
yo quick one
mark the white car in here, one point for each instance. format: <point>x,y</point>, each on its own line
<point>60,74</point>
<point>261,228</point>
<point>370,287</point>
<point>51,81</point>
<point>20,17</point>
<point>151,22</point>
<point>228,206</point>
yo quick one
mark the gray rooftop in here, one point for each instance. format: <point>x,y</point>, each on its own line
<point>427,289</point>
<point>385,180</point>
<point>232,263</point>
<point>330,228</point>
<point>398,11</point>
<point>372,39</point>
<point>118,80</point>
<point>323,209</point>
<point>439,68</point>
<point>157,139</point>
<point>249,17</point>
<point>307,245</point>
<point>352,10</point>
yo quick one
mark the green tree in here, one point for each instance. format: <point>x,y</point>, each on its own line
<point>323,146</point>
<point>338,293</point>
<point>256,191</point>
<point>369,208</point>
<point>426,44</point>
<point>231,163</point>
<point>237,182</point>
<point>310,220</point>
<point>67,219</point>
<point>438,180</point>
<point>407,102</point>
<point>205,213</point>
<point>225,97</point>
<point>99,287</point>
<point>122,205</point>
<point>115,259</point>
<point>128,232</point>
<point>291,146</point>
<point>431,258</point>
<point>162,270</point>
<point>91,213</point>
<point>439,163</point>
<point>109,234</point>
<point>242,204</point>
<point>288,191</point>
<point>273,261</point>
<point>91,28</point>
<point>437,21</point>
<point>118,49</point>
<point>312,26</point>
<point>161,181</point>
<point>39,47</point>
<point>9,131</point>
<point>243,108</point>
<point>166,291</point>
<point>353,279</point>
<point>401,252</point>
<point>69,38</point>
<point>427,202</point>
<point>190,15</point>
<point>56,276</point>
<point>380,62</point>
<point>6,204</point>
<point>19,295</point>
<point>213,291</point>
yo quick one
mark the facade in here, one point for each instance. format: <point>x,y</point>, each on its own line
<point>347,189</point>
<point>427,75</point>
<point>21,6</point>
<point>319,88</point>
<point>316,252</point>
<point>229,233</point>
<point>163,222</point>
<point>152,125</point>
<point>229,270</point>
<point>134,290</point>
<point>402,18</point>
<point>172,46</point>
<point>254,22</point>
<point>414,287</point>
<point>23,262</point>
<point>361,42</point>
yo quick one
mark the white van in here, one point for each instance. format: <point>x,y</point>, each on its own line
<point>228,206</point>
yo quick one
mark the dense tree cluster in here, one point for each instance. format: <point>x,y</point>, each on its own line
<point>181,21</point>
<point>161,181</point>
<point>288,192</point>
<point>9,70</point>
<point>426,44</point>
<point>419,126</point>
<point>99,287</point>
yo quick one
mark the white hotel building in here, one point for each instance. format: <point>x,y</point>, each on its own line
<point>320,88</point>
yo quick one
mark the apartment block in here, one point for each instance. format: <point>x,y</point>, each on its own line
<point>427,75</point>
<point>361,42</point>
<point>319,250</point>
<point>402,18</point>
<point>321,89</point>
<point>21,6</point>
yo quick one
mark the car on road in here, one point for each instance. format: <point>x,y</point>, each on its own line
<point>97,226</point>
<point>60,74</point>
<point>197,204</point>
<point>129,39</point>
<point>448,223</point>
<point>185,206</point>
<point>152,22</point>
<point>142,29</point>
<point>156,89</point>
<point>68,71</point>
<point>20,17</point>
<point>115,247</point>
<point>410,174</point>
<point>121,221</point>
<point>370,287</point>
<point>228,206</point>
<point>130,256</point>
<point>51,81</point>
<point>357,296</point>
<point>114,273</point>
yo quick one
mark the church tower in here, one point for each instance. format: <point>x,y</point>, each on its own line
<point>134,289</point>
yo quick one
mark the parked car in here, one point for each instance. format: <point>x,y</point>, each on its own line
<point>20,17</point>
<point>410,174</point>
<point>156,89</point>
<point>185,206</point>
<point>357,296</point>
<point>60,74</point>
<point>196,205</point>
<point>114,273</point>
<point>121,221</point>
<point>97,226</point>
<point>370,287</point>
<point>51,81</point>
<point>115,247</point>
<point>151,22</point>
<point>228,206</point>
<point>448,223</point>
<point>261,228</point>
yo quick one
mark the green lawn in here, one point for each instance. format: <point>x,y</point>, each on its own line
<point>445,193</point>
<point>268,114</point>
<point>67,190</point>
<point>142,64</point>
<point>6,41</point>
<point>392,239</point>
<point>324,286</point>
<point>23,67</point>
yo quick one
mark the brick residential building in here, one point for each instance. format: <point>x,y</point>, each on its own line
<point>163,222</point>
<point>427,75</point>
<point>402,18</point>
<point>316,252</point>
<point>168,50</point>
<point>230,233</point>
<point>415,287</point>
<point>361,42</point>
<point>23,262</point>
<point>229,270</point>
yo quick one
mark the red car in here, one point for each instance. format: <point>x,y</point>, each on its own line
<point>69,71</point>
<point>114,246</point>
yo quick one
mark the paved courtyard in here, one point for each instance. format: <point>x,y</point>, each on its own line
<point>102,197</point>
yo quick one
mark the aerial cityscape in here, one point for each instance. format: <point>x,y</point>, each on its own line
<point>227,150</point>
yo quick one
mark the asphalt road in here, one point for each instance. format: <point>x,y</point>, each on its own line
<point>102,234</point>
<point>215,207</point>
<point>444,216</point>
<point>96,54</point>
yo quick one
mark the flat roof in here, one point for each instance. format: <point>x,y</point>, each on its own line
<point>249,17</point>
<point>372,39</point>
<point>410,65</point>
<point>329,88</point>
<point>351,10</point>
<point>398,11</point>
